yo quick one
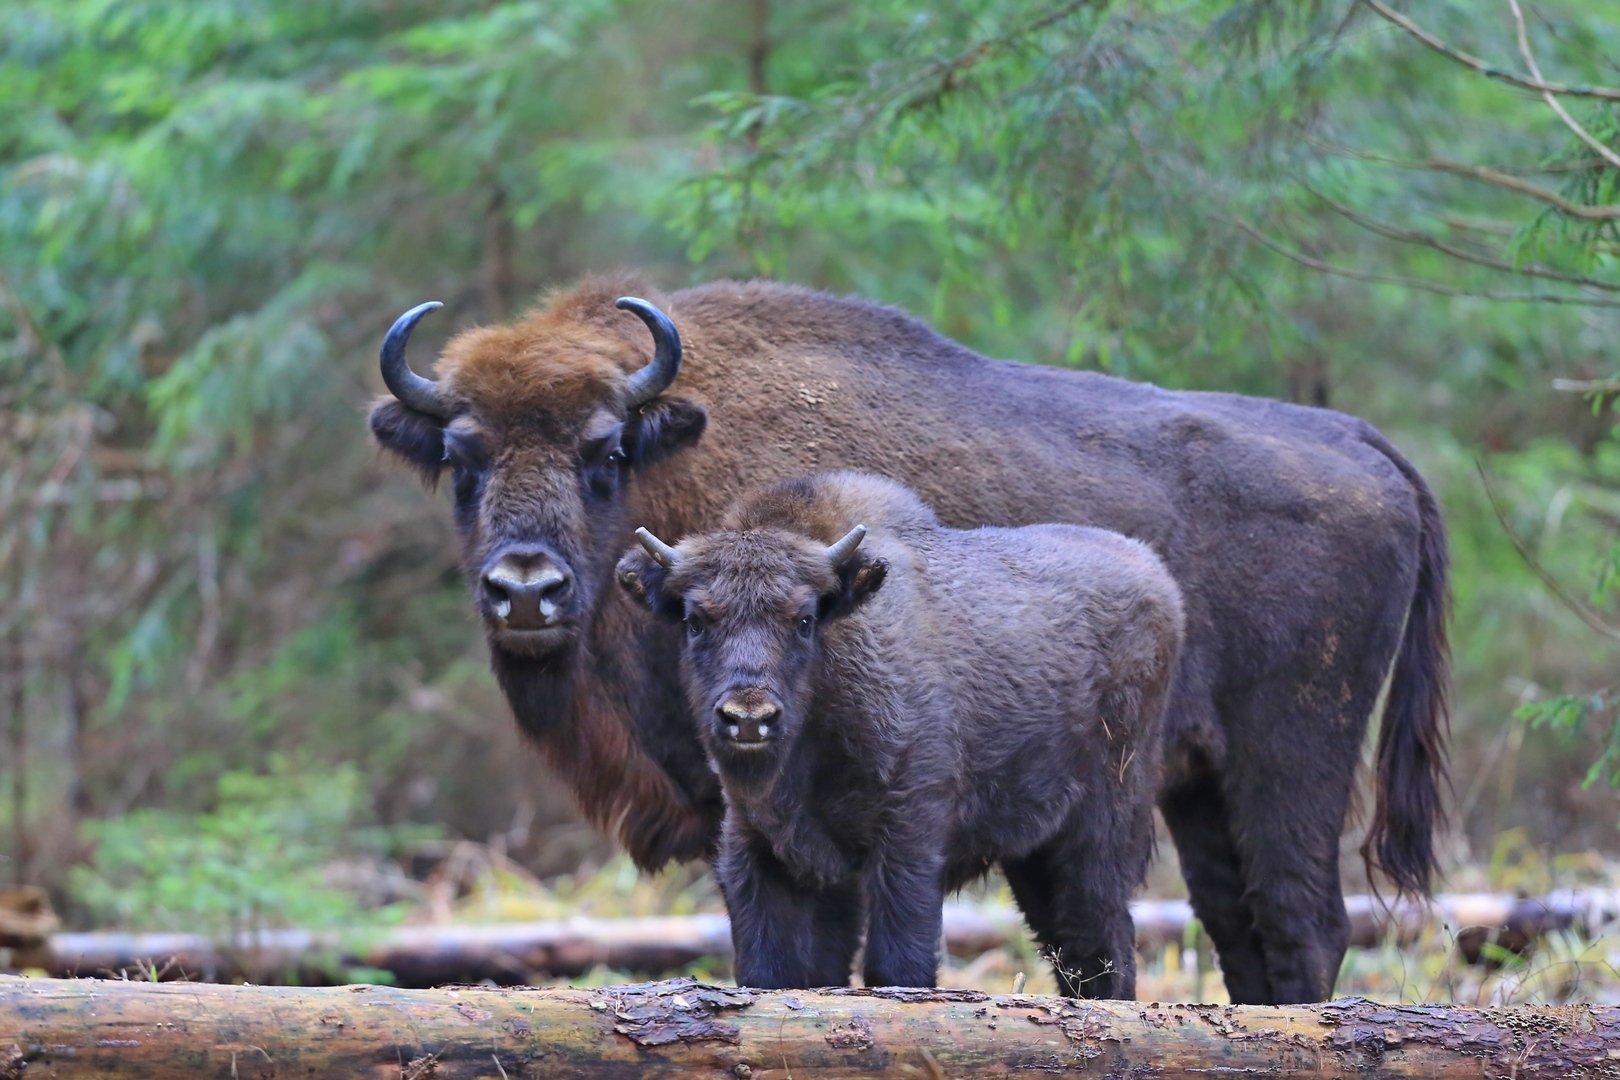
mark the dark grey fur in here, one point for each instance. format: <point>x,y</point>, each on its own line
<point>997,702</point>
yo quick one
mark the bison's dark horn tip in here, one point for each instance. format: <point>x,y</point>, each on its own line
<point>644,385</point>
<point>411,389</point>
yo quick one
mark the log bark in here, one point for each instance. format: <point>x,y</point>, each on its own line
<point>516,953</point>
<point>89,1028</point>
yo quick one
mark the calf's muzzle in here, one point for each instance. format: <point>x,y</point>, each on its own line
<point>747,717</point>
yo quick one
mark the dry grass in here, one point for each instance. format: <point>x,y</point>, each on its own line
<point>478,885</point>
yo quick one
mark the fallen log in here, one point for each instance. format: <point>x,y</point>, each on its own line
<point>516,953</point>
<point>166,1031</point>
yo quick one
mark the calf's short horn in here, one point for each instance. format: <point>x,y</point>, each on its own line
<point>661,552</point>
<point>838,554</point>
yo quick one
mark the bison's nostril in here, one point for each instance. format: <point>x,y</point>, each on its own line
<point>748,719</point>
<point>526,594</point>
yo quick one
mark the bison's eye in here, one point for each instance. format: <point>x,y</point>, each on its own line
<point>695,625</point>
<point>807,623</point>
<point>603,467</point>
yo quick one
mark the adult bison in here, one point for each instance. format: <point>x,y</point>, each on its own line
<point>1311,555</point>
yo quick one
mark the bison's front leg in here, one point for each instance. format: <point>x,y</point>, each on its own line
<point>774,923</point>
<point>905,898</point>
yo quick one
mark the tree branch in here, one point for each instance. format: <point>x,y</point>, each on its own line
<point>1588,386</point>
<point>1485,68</point>
<point>1552,99</point>
<point>1423,239</point>
<point>1413,283</point>
<point>759,53</point>
<point>1495,177</point>
<point>1592,618</point>
<point>1493,228</point>
<point>1522,187</point>
<point>949,69</point>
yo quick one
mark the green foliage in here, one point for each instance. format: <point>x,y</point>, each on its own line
<point>1598,709</point>
<point>209,213</point>
<point>255,860</point>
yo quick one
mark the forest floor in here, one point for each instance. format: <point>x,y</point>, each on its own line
<point>479,886</point>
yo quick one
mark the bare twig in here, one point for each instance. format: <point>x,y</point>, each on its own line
<point>948,70</point>
<point>1522,187</point>
<point>1485,68</point>
<point>1414,283</point>
<point>1552,99</point>
<point>1583,611</point>
<point>1496,177</point>
<point>1502,228</point>
<point>759,53</point>
<point>1587,386</point>
<point>1413,236</point>
<point>1540,169</point>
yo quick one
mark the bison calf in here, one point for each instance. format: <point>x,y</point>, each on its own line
<point>998,702</point>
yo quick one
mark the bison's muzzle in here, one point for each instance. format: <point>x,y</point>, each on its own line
<point>745,719</point>
<point>527,597</point>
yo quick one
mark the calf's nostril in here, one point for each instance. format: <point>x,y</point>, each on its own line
<point>500,600</point>
<point>744,721</point>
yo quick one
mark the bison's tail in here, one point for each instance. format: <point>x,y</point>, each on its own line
<point>1411,767</point>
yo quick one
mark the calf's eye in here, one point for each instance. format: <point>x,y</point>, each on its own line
<point>694,628</point>
<point>806,623</point>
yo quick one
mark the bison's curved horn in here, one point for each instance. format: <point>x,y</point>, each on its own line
<point>411,389</point>
<point>661,552</point>
<point>840,552</point>
<point>655,378</point>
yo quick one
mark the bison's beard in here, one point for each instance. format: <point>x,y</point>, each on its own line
<point>539,688</point>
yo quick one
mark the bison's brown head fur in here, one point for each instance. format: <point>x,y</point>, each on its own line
<point>534,421</point>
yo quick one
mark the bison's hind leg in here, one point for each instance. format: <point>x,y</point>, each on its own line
<point>1195,811</point>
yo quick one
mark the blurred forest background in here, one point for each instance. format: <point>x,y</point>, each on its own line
<point>235,650</point>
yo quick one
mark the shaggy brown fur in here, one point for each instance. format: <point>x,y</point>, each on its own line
<point>1302,541</point>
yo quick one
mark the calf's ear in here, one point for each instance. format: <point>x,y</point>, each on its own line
<point>663,426</point>
<point>416,439</point>
<point>858,579</point>
<point>643,578</point>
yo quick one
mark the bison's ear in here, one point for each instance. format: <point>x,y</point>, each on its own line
<point>416,438</point>
<point>663,426</point>
<point>858,580</point>
<point>643,578</point>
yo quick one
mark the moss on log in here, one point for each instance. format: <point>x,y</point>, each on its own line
<point>89,1028</point>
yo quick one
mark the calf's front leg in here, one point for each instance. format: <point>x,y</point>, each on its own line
<point>905,899</point>
<point>772,918</point>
